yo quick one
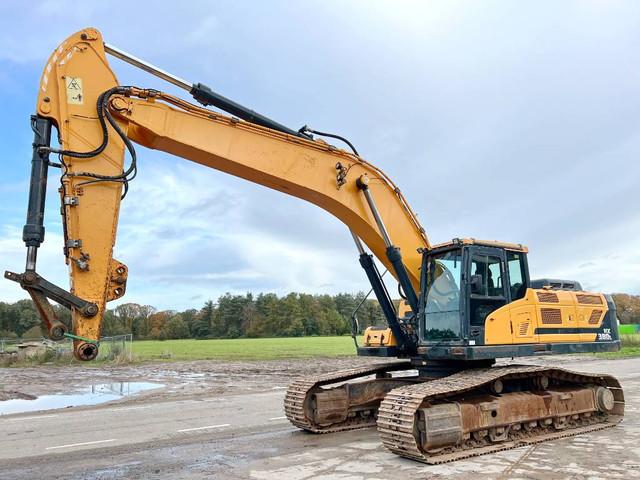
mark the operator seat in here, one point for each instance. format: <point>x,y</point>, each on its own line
<point>490,285</point>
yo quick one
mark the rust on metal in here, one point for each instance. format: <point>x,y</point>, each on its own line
<point>55,328</point>
<point>311,407</point>
<point>423,422</point>
<point>117,280</point>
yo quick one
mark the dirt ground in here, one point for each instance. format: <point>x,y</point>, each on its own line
<point>181,379</point>
<point>186,379</point>
<point>224,420</point>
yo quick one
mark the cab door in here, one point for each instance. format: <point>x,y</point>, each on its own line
<point>487,289</point>
<point>522,302</point>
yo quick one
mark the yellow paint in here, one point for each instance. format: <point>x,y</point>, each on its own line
<point>94,220</point>
<point>379,337</point>
<point>295,166</point>
<point>404,309</point>
<point>516,322</point>
<point>516,247</point>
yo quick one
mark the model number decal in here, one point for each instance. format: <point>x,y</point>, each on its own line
<point>605,335</point>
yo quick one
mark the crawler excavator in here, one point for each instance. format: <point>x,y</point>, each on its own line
<point>466,302</point>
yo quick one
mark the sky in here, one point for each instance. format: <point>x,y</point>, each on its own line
<point>514,121</point>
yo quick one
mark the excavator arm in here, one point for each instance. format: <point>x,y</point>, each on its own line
<point>97,120</point>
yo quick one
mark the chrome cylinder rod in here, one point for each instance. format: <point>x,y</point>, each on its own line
<point>147,67</point>
<point>32,255</point>
<point>358,242</point>
<point>204,94</point>
<point>393,253</point>
<point>377,217</point>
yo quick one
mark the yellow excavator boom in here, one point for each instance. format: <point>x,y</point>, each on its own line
<point>96,119</point>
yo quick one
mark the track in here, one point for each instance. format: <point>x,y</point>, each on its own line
<point>299,391</point>
<point>398,411</point>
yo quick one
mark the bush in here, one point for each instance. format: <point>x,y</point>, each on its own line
<point>114,352</point>
<point>8,359</point>
<point>33,332</point>
<point>7,335</point>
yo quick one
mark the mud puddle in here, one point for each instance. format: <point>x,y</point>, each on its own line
<point>91,395</point>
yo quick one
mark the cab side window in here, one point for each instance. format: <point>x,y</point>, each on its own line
<point>516,275</point>
<point>487,287</point>
<point>487,268</point>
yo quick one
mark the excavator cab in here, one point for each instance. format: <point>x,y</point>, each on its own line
<point>478,303</point>
<point>464,283</point>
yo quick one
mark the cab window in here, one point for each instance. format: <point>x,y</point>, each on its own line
<point>442,309</point>
<point>487,287</point>
<point>488,274</point>
<point>515,264</point>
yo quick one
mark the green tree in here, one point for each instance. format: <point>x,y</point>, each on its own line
<point>310,308</point>
<point>267,306</point>
<point>231,310</point>
<point>112,325</point>
<point>176,327</point>
<point>204,319</point>
<point>26,317</point>
<point>345,304</point>
<point>249,316</point>
<point>291,316</point>
<point>189,317</point>
<point>8,319</point>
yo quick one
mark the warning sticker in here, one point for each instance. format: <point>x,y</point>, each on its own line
<point>74,90</point>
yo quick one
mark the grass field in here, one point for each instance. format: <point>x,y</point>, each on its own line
<point>278,348</point>
<point>630,347</point>
<point>244,348</point>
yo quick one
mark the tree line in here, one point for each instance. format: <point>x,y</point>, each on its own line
<point>231,316</point>
<point>235,316</point>
<point>627,308</point>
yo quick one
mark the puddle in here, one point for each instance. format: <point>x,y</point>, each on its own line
<point>92,395</point>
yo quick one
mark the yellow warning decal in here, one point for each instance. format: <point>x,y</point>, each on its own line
<point>74,90</point>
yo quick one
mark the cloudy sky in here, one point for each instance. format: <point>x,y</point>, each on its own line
<point>516,121</point>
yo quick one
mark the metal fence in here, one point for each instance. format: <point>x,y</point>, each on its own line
<point>118,348</point>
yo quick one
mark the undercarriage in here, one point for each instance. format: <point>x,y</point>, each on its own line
<point>471,412</point>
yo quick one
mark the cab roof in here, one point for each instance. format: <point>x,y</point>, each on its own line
<point>517,247</point>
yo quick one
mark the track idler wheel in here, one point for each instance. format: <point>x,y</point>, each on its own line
<point>604,399</point>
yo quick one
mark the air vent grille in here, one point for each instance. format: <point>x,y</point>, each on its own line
<point>547,297</point>
<point>594,319</point>
<point>524,329</point>
<point>585,299</point>
<point>551,316</point>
